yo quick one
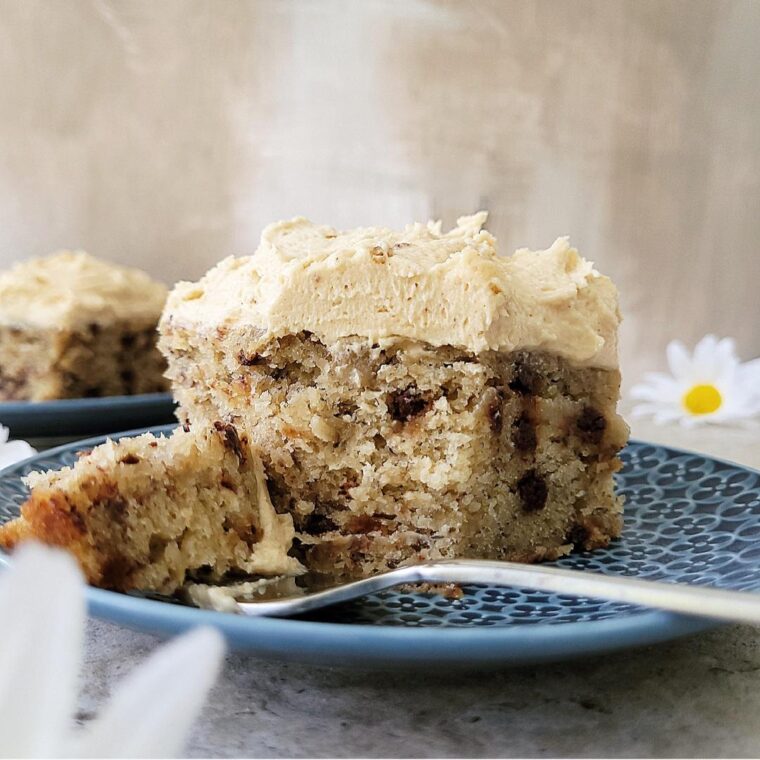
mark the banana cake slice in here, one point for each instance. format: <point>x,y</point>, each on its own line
<point>414,395</point>
<point>152,513</point>
<point>73,326</point>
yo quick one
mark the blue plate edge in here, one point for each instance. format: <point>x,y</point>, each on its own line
<point>308,641</point>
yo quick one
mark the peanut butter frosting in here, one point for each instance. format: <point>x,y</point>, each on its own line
<point>443,288</point>
<point>72,288</point>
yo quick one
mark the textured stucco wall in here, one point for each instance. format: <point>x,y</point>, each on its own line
<point>167,134</point>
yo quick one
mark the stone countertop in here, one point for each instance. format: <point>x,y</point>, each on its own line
<point>693,697</point>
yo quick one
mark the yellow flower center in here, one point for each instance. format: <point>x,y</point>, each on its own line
<point>702,399</point>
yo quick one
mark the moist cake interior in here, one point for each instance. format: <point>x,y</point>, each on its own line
<point>403,452</point>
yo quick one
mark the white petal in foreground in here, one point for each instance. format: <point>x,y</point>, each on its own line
<point>43,613</point>
<point>156,705</point>
<point>12,451</point>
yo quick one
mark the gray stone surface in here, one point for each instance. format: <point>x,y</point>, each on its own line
<point>694,697</point>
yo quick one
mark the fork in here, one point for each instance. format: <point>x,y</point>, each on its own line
<point>697,601</point>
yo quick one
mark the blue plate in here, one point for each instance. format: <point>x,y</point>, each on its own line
<point>689,519</point>
<point>85,416</point>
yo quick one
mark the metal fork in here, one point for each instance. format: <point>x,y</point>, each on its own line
<point>697,601</point>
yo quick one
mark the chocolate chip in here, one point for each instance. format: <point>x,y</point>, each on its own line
<point>231,439</point>
<point>526,380</point>
<point>116,508</point>
<point>577,535</point>
<point>592,424</point>
<point>524,433</point>
<point>362,524</point>
<point>228,484</point>
<point>316,524</point>
<point>116,572</point>
<point>128,340</point>
<point>532,490</point>
<point>407,403</point>
<point>130,459</point>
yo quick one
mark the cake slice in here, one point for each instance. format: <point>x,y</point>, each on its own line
<point>73,326</point>
<point>413,394</point>
<point>151,513</point>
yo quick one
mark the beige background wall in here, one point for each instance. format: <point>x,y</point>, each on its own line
<point>167,134</point>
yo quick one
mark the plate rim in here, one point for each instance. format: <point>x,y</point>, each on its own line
<point>51,405</point>
<point>372,645</point>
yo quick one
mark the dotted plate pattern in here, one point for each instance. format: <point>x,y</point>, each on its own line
<point>688,519</point>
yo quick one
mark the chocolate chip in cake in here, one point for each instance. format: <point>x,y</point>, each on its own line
<point>533,491</point>
<point>524,433</point>
<point>407,403</point>
<point>231,439</point>
<point>315,524</point>
<point>128,340</point>
<point>592,424</point>
<point>577,535</point>
<point>130,459</point>
<point>526,380</point>
<point>116,508</point>
<point>116,572</point>
<point>362,524</point>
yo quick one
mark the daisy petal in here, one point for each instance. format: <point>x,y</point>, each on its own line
<point>726,351</point>
<point>42,599</point>
<point>667,414</point>
<point>154,707</point>
<point>654,393</point>
<point>704,363</point>
<point>749,374</point>
<point>679,360</point>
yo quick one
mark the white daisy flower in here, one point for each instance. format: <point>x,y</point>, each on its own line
<point>711,385</point>
<point>12,451</point>
<point>42,607</point>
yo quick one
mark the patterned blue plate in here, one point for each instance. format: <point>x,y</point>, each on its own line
<point>689,519</point>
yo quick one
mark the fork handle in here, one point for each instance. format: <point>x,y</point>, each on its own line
<point>698,601</point>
